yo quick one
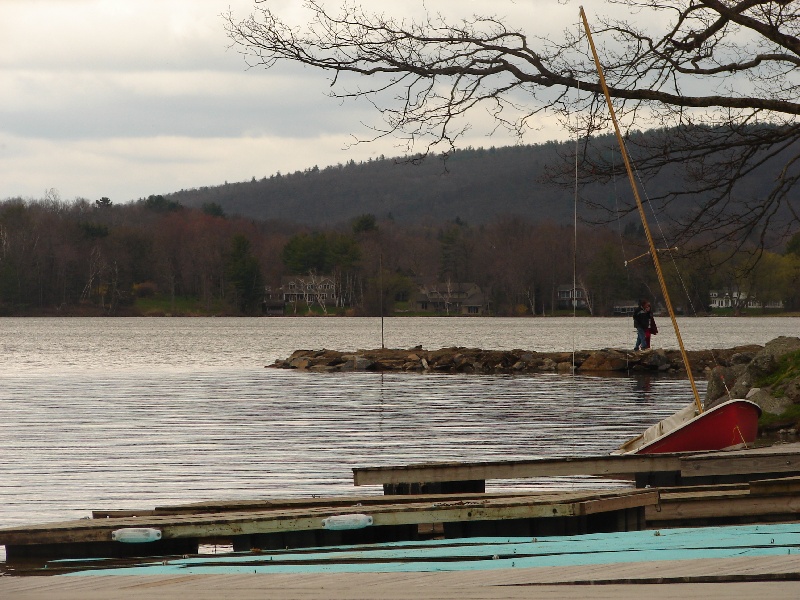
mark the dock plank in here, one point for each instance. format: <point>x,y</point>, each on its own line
<point>605,466</point>
<point>692,467</point>
<point>749,462</point>
<point>757,502</point>
<point>784,485</point>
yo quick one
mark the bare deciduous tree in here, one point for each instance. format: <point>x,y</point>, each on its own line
<point>717,79</point>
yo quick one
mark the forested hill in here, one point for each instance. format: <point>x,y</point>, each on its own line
<point>475,185</point>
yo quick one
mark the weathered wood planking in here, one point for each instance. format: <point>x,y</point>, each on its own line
<point>606,466</point>
<point>784,458</point>
<point>226,524</point>
<point>785,485</point>
<point>334,501</point>
<point>222,506</point>
<point>755,502</point>
<point>699,467</point>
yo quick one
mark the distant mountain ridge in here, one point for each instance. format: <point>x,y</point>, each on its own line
<point>476,186</point>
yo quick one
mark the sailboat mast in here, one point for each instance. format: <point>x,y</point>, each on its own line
<point>639,205</point>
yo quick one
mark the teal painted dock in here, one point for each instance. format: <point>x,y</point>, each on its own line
<point>469,554</point>
<point>741,578</point>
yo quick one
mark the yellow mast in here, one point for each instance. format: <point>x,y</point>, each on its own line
<point>639,205</point>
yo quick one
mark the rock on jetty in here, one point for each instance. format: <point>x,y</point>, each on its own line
<point>769,377</point>
<point>475,360</point>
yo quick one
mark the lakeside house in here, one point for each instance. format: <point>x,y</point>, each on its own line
<point>322,290</point>
<point>273,303</point>
<point>308,288</point>
<point>738,298</point>
<point>451,298</point>
<point>569,296</point>
<point>624,308</point>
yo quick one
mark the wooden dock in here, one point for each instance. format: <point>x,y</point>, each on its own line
<point>447,500</point>
<point>300,523</point>
<point>755,502</point>
<point>645,470</point>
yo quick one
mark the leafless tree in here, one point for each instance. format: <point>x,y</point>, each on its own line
<point>717,79</point>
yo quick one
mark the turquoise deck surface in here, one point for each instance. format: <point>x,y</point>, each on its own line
<point>480,553</point>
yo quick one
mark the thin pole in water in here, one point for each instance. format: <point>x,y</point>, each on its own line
<point>380,278</point>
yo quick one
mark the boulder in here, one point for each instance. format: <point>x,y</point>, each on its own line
<point>548,364</point>
<point>355,363</point>
<point>769,403</point>
<point>766,361</point>
<point>743,381</point>
<point>720,380</point>
<point>657,359</point>
<point>605,360</point>
<point>742,358</point>
<point>761,365</point>
<point>300,362</point>
<point>792,391</point>
<point>781,345</point>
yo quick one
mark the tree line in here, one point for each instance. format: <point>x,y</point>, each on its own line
<point>156,256</point>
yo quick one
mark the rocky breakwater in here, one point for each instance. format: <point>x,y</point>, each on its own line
<point>769,376</point>
<point>475,360</point>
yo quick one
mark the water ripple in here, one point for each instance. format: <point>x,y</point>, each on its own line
<point>76,443</point>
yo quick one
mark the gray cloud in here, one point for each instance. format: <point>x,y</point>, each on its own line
<point>130,98</point>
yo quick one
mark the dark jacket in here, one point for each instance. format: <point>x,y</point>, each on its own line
<point>641,318</point>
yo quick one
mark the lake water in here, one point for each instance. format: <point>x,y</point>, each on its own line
<point>135,413</point>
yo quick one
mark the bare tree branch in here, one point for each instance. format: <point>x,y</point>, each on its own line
<point>717,79</point>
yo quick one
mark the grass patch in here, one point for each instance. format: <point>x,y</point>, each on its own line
<point>303,310</point>
<point>790,417</point>
<point>788,370</point>
<point>181,306</point>
<point>750,312</point>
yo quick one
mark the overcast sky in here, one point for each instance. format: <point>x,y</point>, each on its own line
<point>127,98</point>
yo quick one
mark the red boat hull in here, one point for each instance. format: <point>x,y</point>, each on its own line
<point>732,424</point>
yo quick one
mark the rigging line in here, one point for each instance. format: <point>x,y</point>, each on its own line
<point>668,249</point>
<point>685,291</point>
<point>616,206</point>
<point>666,244</point>
<point>574,293</point>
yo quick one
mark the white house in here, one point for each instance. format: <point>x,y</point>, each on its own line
<point>734,297</point>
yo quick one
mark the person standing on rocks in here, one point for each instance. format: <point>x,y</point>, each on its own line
<point>651,330</point>
<point>641,321</point>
